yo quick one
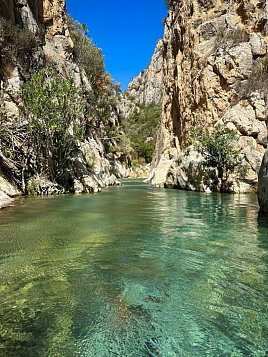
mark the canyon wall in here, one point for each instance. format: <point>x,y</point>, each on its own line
<point>214,73</point>
<point>47,42</point>
<point>147,87</point>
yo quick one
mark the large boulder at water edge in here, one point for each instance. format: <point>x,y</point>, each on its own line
<point>263,184</point>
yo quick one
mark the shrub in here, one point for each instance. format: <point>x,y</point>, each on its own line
<point>217,147</point>
<point>54,112</point>
<point>15,43</point>
<point>101,101</point>
<point>13,148</point>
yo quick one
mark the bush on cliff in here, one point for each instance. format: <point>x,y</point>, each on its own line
<point>16,45</point>
<point>217,147</point>
<point>101,102</point>
<point>54,112</point>
<point>86,54</point>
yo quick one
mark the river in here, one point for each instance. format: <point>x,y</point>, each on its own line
<point>134,271</point>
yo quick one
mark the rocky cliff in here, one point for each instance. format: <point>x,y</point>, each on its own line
<point>146,88</point>
<point>35,34</point>
<point>214,73</point>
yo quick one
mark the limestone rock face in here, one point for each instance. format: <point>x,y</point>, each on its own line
<point>46,20</point>
<point>92,169</point>
<point>146,88</point>
<point>8,188</point>
<point>27,13</point>
<point>214,71</point>
<point>263,184</point>
<point>5,200</point>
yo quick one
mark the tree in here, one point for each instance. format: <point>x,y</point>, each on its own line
<point>217,147</point>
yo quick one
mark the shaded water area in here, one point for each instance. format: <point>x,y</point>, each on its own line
<point>134,271</point>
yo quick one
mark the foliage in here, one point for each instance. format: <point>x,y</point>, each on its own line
<point>55,120</point>
<point>102,100</point>
<point>217,146</point>
<point>86,54</point>
<point>140,128</point>
<point>16,44</point>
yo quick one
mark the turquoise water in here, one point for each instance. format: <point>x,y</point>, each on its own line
<point>134,271</point>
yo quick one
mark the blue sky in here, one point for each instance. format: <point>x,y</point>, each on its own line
<point>125,30</point>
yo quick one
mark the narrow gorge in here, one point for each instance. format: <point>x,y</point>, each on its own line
<point>208,73</point>
<point>169,258</point>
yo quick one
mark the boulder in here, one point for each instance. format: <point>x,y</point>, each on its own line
<point>7,188</point>
<point>41,186</point>
<point>5,200</point>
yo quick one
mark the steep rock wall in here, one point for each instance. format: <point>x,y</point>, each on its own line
<point>147,87</point>
<point>47,21</point>
<point>214,71</point>
<point>23,12</point>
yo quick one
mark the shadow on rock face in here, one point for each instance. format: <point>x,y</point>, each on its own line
<point>263,220</point>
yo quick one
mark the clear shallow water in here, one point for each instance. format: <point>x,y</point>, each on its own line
<point>134,271</point>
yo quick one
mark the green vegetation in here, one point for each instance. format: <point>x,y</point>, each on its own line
<point>102,100</point>
<point>86,54</point>
<point>16,45</point>
<point>55,120</point>
<point>45,138</point>
<point>55,114</point>
<point>141,129</point>
<point>217,147</point>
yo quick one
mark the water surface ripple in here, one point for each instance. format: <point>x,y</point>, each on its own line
<point>134,271</point>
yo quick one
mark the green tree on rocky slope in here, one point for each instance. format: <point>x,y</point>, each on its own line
<point>56,115</point>
<point>102,99</point>
<point>141,127</point>
<point>86,54</point>
<point>217,146</point>
<point>45,137</point>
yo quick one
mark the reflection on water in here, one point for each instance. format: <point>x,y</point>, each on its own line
<point>134,271</point>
